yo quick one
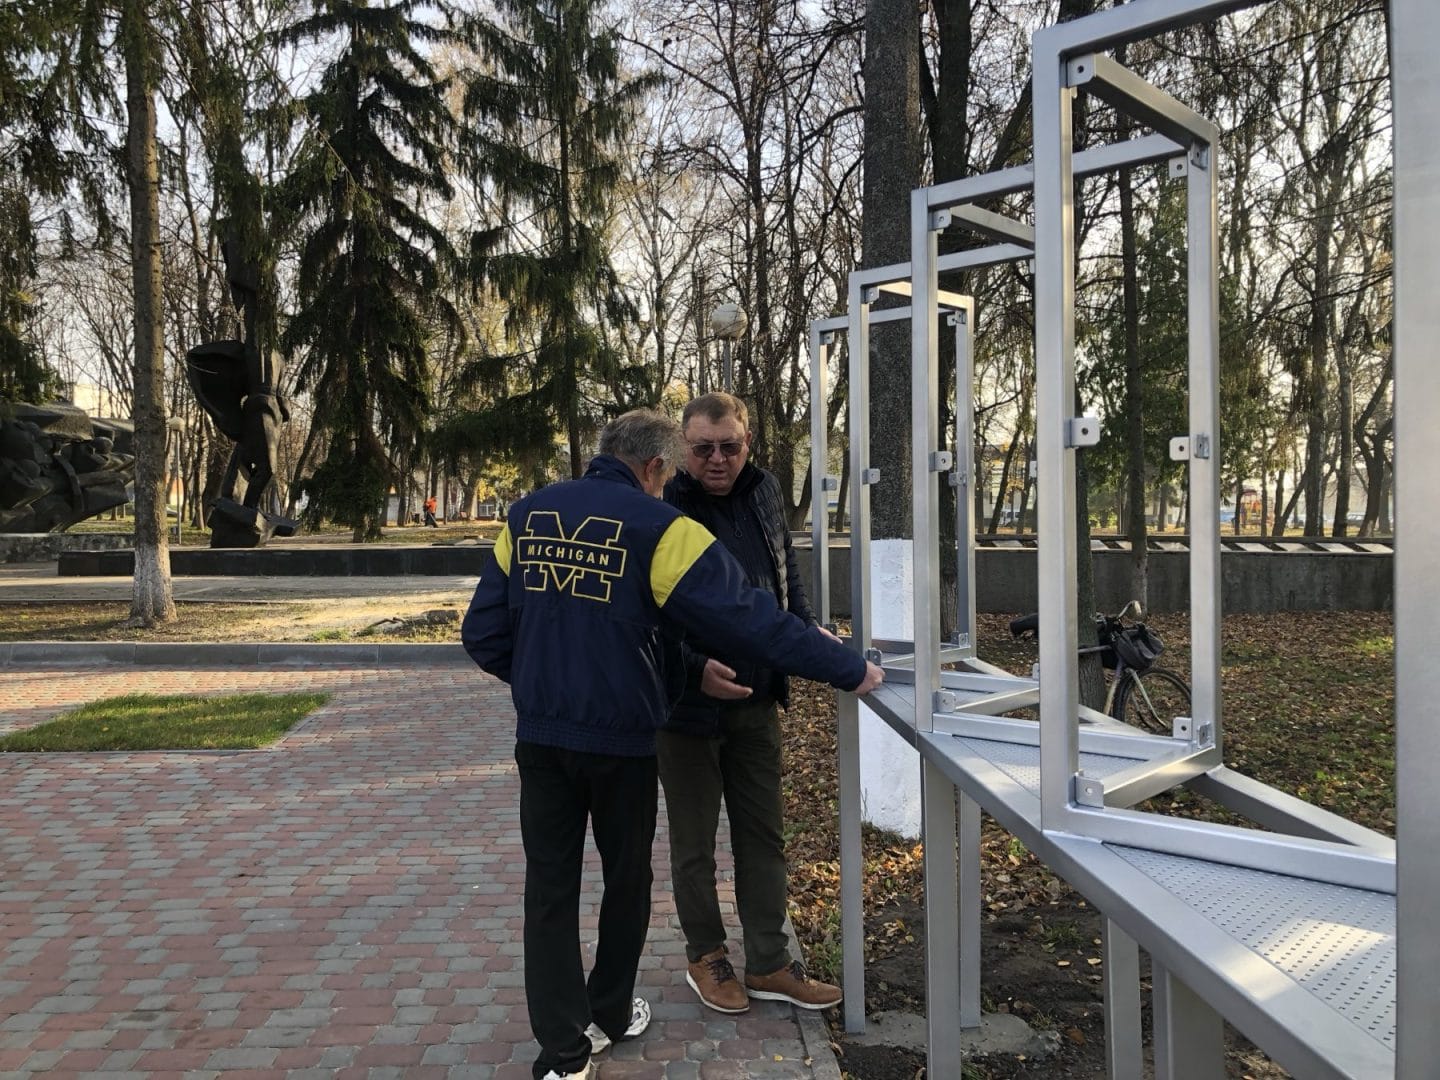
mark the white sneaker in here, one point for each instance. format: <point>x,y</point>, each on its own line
<point>639,1021</point>
<point>587,1073</point>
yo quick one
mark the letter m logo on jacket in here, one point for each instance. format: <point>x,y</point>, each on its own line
<point>584,563</point>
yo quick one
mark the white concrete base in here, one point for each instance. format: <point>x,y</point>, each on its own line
<point>889,767</point>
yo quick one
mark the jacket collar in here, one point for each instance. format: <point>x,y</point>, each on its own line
<point>749,478</point>
<point>608,467</point>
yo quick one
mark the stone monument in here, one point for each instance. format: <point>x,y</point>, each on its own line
<point>59,466</point>
<point>238,384</point>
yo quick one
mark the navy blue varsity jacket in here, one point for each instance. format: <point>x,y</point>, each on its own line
<point>592,585</point>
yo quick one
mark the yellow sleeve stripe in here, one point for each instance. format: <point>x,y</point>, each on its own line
<point>683,542</point>
<point>502,550</point>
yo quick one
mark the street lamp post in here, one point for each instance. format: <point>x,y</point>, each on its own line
<point>728,323</point>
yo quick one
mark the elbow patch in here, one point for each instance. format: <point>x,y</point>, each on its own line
<point>683,543</point>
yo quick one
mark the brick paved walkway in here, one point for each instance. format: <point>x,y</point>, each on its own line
<point>347,903</point>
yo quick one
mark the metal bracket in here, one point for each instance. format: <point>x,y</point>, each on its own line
<point>1033,469</point>
<point>829,483</point>
<point>960,640</point>
<point>1180,448</point>
<point>1202,447</point>
<point>875,656</point>
<point>1079,71</point>
<point>1180,728</point>
<point>1089,791</point>
<point>1200,156</point>
<point>941,460</point>
<point>869,476</point>
<point>946,701</point>
<point>940,220</point>
<point>827,337</point>
<point>1205,734</point>
<point>959,478</point>
<point>1082,431</point>
<point>869,294</point>
<point>1179,168</point>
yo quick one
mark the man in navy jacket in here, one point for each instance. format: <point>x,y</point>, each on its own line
<point>594,583</point>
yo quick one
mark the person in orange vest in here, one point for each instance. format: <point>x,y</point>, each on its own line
<point>430,513</point>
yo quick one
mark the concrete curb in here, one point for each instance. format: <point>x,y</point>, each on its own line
<point>33,654</point>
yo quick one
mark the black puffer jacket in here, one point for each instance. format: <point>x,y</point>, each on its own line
<point>756,497</point>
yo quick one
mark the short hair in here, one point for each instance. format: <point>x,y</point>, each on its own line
<point>641,435</point>
<point>716,407</point>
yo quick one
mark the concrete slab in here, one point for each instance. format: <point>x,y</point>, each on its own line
<point>998,1033</point>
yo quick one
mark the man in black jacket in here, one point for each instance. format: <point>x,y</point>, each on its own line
<point>592,583</point>
<point>724,737</point>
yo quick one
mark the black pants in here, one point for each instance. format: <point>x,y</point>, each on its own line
<point>559,790</point>
<point>743,766</point>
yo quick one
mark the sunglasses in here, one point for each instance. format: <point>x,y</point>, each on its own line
<point>703,451</point>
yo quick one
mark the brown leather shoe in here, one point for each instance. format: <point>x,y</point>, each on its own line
<point>714,980</point>
<point>791,984</point>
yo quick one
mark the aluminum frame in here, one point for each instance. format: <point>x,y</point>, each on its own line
<point>1415,28</point>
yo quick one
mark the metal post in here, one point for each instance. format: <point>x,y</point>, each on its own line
<point>1189,1035</point>
<point>1415,26</point>
<point>1124,1052</point>
<point>942,922</point>
<point>820,480</point>
<point>1055,402</point>
<point>1203,316</point>
<point>852,863</point>
<point>924,423</point>
<point>727,374</point>
<point>971,899</point>
<point>860,479</point>
<point>967,474</point>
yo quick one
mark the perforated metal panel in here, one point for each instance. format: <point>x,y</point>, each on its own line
<point>1336,942</point>
<point>1022,763</point>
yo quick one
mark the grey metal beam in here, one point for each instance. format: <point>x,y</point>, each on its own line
<point>924,444</point>
<point>971,900</point>
<point>1415,30</point>
<point>1055,403</point>
<point>1145,150</point>
<point>1131,22</point>
<point>1189,1035</point>
<point>1280,812</point>
<point>820,479</point>
<point>995,226</point>
<point>852,863</point>
<point>964,473</point>
<point>1124,1050</point>
<point>942,918</point>
<point>1117,85</point>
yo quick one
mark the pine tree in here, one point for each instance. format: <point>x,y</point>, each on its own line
<point>551,109</point>
<point>374,152</point>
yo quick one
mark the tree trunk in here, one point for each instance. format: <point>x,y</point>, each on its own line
<point>892,156</point>
<point>1346,421</point>
<point>1282,511</point>
<point>152,600</point>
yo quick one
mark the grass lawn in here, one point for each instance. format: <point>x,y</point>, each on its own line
<point>182,722</point>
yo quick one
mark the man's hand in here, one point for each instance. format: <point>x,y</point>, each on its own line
<point>828,634</point>
<point>874,676</point>
<point>718,682</point>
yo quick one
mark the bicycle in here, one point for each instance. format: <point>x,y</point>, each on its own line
<point>1137,692</point>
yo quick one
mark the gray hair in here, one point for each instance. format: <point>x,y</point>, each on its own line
<point>641,435</point>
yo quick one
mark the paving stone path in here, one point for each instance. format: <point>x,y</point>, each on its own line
<point>347,903</point>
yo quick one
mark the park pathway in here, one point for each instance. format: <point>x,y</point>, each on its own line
<point>346,903</point>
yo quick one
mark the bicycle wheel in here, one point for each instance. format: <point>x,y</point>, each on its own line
<point>1152,701</point>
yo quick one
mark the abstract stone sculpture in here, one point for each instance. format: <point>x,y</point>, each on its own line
<point>238,384</point>
<point>58,466</point>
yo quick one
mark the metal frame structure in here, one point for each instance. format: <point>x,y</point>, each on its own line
<point>1165,884</point>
